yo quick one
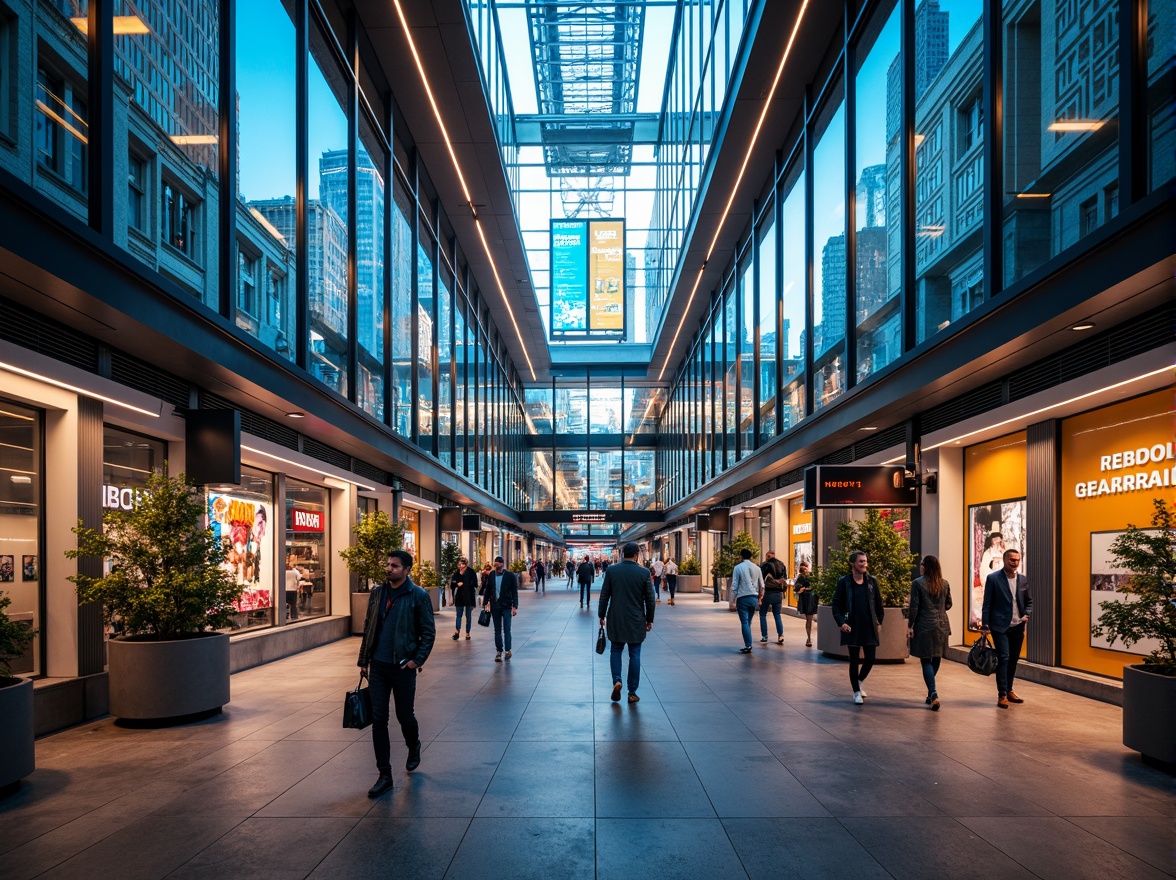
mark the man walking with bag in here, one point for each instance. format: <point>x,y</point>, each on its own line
<point>500,596</point>
<point>398,635</point>
<point>1006,610</point>
<point>586,574</point>
<point>626,611</point>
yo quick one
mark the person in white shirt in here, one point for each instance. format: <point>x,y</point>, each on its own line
<point>670,572</point>
<point>747,585</point>
<point>658,568</point>
<point>293,578</point>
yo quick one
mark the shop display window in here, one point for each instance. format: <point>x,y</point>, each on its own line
<point>240,517</point>
<point>21,438</point>
<point>305,589</point>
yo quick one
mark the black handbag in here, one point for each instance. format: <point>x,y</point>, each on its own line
<point>982,659</point>
<point>600,641</point>
<point>357,707</point>
<point>484,618</point>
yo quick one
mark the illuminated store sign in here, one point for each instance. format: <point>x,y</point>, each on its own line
<point>119,497</point>
<point>1128,471</point>
<point>306,520</point>
<point>857,486</point>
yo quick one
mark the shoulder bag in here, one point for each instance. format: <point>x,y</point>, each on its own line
<point>982,659</point>
<point>357,707</point>
<point>484,618</point>
<point>600,640</point>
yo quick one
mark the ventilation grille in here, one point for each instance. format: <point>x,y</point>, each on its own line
<point>140,375</point>
<point>260,426</point>
<point>323,452</point>
<point>974,403</point>
<point>879,440</point>
<point>363,469</point>
<point>45,336</point>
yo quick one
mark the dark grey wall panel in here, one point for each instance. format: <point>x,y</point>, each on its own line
<point>1042,466</point>
<point>90,635</point>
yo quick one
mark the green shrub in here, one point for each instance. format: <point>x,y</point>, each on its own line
<point>689,565</point>
<point>374,536</point>
<point>424,574</point>
<point>889,555</point>
<point>14,638</point>
<point>729,555</point>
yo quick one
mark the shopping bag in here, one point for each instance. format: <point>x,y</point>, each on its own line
<point>982,659</point>
<point>484,618</point>
<point>357,707</point>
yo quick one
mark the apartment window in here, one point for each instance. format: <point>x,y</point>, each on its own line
<point>62,131</point>
<point>247,282</point>
<point>971,125</point>
<point>1088,216</point>
<point>137,193</point>
<point>178,220</point>
<point>7,71</point>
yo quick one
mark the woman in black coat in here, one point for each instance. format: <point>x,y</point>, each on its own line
<point>464,586</point>
<point>858,611</point>
<point>928,627</point>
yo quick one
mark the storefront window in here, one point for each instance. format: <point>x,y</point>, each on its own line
<point>306,551</point>
<point>241,518</point>
<point>828,258</point>
<point>20,523</point>
<point>411,520</point>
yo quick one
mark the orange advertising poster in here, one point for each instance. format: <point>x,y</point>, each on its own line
<point>606,275</point>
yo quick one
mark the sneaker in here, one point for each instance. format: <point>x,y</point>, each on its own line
<point>498,657</point>
<point>414,757</point>
<point>507,655</point>
<point>633,698</point>
<point>1012,697</point>
<point>857,697</point>
<point>764,640</point>
<point>862,691</point>
<point>616,692</point>
<point>467,637</point>
<point>928,700</point>
<point>1002,702</point>
<point>383,784</point>
<point>746,650</point>
<point>935,704</point>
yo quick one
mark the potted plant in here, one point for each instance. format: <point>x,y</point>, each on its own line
<point>372,538</point>
<point>450,554</point>
<point>424,575</point>
<point>689,575</point>
<point>16,704</point>
<point>167,593</point>
<point>728,557</point>
<point>1147,612</point>
<point>890,562</point>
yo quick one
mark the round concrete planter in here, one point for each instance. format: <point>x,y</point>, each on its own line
<point>1149,714</point>
<point>166,681</point>
<point>893,646</point>
<point>16,733</point>
<point>689,583</point>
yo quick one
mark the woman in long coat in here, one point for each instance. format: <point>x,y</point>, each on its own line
<point>928,627</point>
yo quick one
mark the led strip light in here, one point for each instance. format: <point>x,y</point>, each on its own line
<point>738,180</point>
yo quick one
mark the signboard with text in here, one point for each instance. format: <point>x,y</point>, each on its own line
<point>306,520</point>
<point>587,279</point>
<point>831,485</point>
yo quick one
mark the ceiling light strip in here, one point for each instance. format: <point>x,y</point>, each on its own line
<point>739,179</point>
<point>464,189</point>
<point>306,467</point>
<point>76,390</point>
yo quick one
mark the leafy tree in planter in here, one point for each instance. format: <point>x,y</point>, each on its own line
<point>450,554</point>
<point>374,536</point>
<point>1150,613</point>
<point>889,556</point>
<point>729,555</point>
<point>424,574</point>
<point>518,566</point>
<point>690,565</point>
<point>14,639</point>
<point>166,578</point>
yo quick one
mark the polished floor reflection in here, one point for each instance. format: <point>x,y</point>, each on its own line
<point>731,766</point>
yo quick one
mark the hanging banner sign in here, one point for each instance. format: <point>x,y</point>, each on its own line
<point>832,485</point>
<point>569,277</point>
<point>606,275</point>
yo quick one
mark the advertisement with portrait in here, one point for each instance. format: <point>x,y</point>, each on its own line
<point>242,525</point>
<point>1107,580</point>
<point>993,528</point>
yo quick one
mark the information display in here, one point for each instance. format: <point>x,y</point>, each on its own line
<point>587,278</point>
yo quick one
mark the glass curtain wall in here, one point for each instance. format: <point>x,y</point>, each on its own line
<point>828,255</point>
<point>1160,92</point>
<point>792,297</point>
<point>445,366</point>
<point>370,263</point>
<point>426,322</point>
<point>767,338</point>
<point>402,315</point>
<point>747,358</point>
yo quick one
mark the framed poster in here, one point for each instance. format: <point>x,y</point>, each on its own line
<point>993,528</point>
<point>1107,579</point>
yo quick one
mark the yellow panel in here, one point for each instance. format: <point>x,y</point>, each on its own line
<point>995,471</point>
<point>1099,450</point>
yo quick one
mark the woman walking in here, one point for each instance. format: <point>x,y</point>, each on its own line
<point>928,627</point>
<point>464,586</point>
<point>806,601</point>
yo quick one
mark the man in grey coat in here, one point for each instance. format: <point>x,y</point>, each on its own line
<point>627,604</point>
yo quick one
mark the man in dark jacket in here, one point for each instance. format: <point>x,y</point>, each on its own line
<point>627,603</point>
<point>500,594</point>
<point>398,635</point>
<point>1006,619</point>
<point>585,575</point>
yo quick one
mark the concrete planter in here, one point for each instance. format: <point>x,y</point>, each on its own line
<point>359,604</point>
<point>1149,714</point>
<point>16,733</point>
<point>689,583</point>
<point>169,680</point>
<point>893,646</point>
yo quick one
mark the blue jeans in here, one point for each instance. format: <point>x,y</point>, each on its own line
<point>469,616</point>
<point>745,608</point>
<point>614,661</point>
<point>501,628</point>
<point>1008,651</point>
<point>772,601</point>
<point>930,667</point>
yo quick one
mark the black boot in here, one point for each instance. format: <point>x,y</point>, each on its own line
<point>414,757</point>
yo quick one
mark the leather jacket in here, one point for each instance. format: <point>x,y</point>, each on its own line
<point>415,630</point>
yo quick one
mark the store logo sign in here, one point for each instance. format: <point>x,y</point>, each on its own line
<point>306,520</point>
<point>120,497</point>
<point>1139,476</point>
<point>802,529</point>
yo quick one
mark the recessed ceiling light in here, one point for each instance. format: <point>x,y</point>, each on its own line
<point>869,428</point>
<point>1085,325</point>
<point>295,415</point>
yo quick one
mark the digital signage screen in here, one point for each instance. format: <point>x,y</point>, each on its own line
<point>569,277</point>
<point>587,278</point>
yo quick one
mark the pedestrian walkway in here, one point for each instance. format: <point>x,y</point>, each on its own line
<point>731,766</point>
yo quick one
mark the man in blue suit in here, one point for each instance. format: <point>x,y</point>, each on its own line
<point>500,596</point>
<point>1007,606</point>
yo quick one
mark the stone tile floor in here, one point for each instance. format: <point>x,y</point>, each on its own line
<point>731,766</point>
